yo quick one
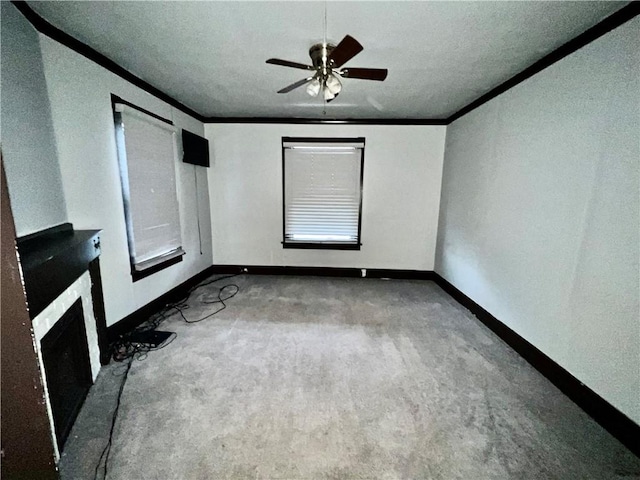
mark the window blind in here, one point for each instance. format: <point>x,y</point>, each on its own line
<point>147,152</point>
<point>322,190</point>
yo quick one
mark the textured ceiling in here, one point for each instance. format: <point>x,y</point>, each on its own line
<point>211,55</point>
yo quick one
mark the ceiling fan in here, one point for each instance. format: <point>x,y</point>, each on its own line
<point>327,60</point>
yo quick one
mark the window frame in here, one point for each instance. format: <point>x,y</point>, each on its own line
<point>322,245</point>
<point>171,260</point>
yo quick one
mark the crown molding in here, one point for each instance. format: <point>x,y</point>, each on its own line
<point>46,28</point>
<point>329,121</point>
<point>613,21</point>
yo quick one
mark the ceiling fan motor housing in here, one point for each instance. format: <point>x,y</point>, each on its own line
<point>319,54</point>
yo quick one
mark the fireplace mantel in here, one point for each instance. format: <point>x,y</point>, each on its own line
<point>52,260</point>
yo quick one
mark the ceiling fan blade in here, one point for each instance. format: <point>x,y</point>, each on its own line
<point>365,73</point>
<point>348,48</point>
<point>287,63</point>
<point>293,86</point>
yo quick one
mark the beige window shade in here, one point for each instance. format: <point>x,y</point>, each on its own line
<point>147,154</point>
<point>322,190</point>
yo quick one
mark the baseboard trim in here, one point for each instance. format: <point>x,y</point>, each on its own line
<point>401,274</point>
<point>326,272</point>
<point>609,417</point>
<point>136,318</point>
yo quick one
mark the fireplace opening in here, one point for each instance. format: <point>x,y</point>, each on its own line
<point>65,355</point>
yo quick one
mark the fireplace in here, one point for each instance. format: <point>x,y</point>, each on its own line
<point>65,355</point>
<point>61,271</point>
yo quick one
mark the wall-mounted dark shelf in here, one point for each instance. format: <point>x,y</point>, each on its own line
<point>51,262</point>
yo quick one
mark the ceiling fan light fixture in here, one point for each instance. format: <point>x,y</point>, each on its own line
<point>333,84</point>
<point>328,94</point>
<point>313,88</point>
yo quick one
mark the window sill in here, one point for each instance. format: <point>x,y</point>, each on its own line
<point>140,274</point>
<point>322,245</point>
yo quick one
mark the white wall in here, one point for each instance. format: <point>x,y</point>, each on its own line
<point>539,220</point>
<point>79,92</point>
<point>28,143</point>
<point>401,192</point>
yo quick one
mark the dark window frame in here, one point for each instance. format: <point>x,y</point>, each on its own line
<point>140,274</point>
<point>322,245</point>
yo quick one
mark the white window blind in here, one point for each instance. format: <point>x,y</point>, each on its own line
<point>147,155</point>
<point>322,190</point>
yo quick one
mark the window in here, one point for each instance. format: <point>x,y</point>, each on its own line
<point>146,146</point>
<point>322,183</point>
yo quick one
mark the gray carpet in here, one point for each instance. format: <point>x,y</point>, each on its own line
<point>328,378</point>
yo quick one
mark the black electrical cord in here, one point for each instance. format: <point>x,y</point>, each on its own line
<point>124,349</point>
<point>221,300</point>
<point>125,352</point>
<point>107,449</point>
<point>181,305</point>
<point>200,285</point>
<point>182,302</point>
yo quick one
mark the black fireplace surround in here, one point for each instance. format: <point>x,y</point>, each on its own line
<point>52,260</point>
